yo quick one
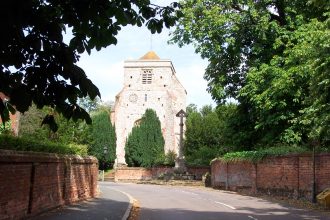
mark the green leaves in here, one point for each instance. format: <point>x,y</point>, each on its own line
<point>256,156</point>
<point>47,125</point>
<point>284,92</point>
<point>272,57</point>
<point>36,66</point>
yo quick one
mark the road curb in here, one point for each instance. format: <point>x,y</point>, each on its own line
<point>130,205</point>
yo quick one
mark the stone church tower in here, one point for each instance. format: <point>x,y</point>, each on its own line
<point>149,82</point>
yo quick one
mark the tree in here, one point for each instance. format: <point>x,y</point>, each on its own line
<point>236,35</point>
<point>96,137</point>
<point>68,132</point>
<point>236,130</point>
<point>206,109</point>
<point>271,56</point>
<point>193,134</point>
<point>103,136</point>
<point>30,124</point>
<point>203,137</point>
<point>36,66</point>
<point>145,144</point>
<point>296,95</point>
<point>191,108</point>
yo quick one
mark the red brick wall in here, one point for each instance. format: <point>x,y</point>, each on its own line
<point>198,171</point>
<point>286,175</point>
<point>139,173</point>
<point>278,175</point>
<point>238,177</point>
<point>31,183</point>
<point>232,175</point>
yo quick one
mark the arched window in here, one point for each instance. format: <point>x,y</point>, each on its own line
<point>137,122</point>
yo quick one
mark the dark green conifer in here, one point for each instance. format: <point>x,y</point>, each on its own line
<point>145,144</point>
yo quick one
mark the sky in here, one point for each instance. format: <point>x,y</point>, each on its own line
<point>105,67</point>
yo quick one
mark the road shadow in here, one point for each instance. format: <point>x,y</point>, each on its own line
<point>113,207</point>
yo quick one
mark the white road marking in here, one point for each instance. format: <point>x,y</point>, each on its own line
<point>191,193</point>
<point>195,194</point>
<point>251,217</point>
<point>229,206</point>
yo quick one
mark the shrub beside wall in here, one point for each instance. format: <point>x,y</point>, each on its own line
<point>31,183</point>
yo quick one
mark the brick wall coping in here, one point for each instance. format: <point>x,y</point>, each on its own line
<point>40,157</point>
<point>142,168</point>
<point>273,157</point>
<point>160,167</point>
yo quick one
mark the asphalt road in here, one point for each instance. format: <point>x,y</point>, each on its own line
<point>180,203</point>
<point>111,205</point>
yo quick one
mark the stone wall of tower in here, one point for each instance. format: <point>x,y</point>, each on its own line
<point>164,94</point>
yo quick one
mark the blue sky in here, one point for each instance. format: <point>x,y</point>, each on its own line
<point>105,67</point>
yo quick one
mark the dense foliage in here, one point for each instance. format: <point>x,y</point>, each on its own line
<point>93,138</point>
<point>145,144</point>
<point>203,136</point>
<point>272,57</point>
<point>9,142</point>
<point>103,138</point>
<point>37,66</point>
<point>210,133</point>
<point>30,127</point>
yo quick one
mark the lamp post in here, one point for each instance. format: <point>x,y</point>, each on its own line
<point>105,151</point>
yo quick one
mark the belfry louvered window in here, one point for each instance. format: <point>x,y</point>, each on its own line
<point>146,77</point>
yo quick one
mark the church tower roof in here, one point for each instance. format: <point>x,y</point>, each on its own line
<point>151,55</point>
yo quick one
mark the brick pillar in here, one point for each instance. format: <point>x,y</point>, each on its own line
<point>296,190</point>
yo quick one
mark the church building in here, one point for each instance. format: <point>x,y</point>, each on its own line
<point>149,82</point>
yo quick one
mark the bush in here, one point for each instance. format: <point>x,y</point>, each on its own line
<point>24,144</point>
<point>202,156</point>
<point>167,159</point>
<point>255,156</point>
<point>170,158</point>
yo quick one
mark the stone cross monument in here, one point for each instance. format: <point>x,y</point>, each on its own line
<point>180,161</point>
